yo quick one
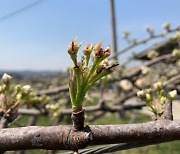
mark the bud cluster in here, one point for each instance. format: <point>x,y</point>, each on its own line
<point>54,109</point>
<point>166,26</point>
<point>145,70</point>
<point>152,54</point>
<point>84,74</point>
<point>150,30</point>
<point>176,53</point>
<point>11,96</point>
<point>125,34</point>
<point>155,97</point>
<point>176,36</point>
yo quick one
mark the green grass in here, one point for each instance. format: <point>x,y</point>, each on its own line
<point>114,118</point>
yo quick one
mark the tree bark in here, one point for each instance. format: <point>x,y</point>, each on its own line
<point>63,138</point>
<point>4,123</point>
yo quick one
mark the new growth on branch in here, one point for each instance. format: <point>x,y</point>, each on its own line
<point>83,75</point>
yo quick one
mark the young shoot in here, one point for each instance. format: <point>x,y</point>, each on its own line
<point>85,73</point>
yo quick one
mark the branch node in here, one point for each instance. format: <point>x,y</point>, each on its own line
<point>79,139</point>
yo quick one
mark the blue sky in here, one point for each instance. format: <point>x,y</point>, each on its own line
<point>37,38</point>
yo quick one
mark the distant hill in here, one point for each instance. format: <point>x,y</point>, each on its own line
<point>31,73</point>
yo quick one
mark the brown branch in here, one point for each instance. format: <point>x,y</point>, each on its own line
<point>143,41</point>
<point>138,71</point>
<point>88,109</point>
<point>31,122</point>
<point>95,116</point>
<point>61,137</point>
<point>4,123</point>
<point>54,91</point>
<point>171,80</point>
<point>30,112</point>
<point>167,114</point>
<point>149,63</point>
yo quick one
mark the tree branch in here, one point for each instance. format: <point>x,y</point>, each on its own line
<point>61,137</point>
<point>143,41</point>
<point>54,91</point>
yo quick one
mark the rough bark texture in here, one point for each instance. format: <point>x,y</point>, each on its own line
<point>63,138</point>
<point>4,123</point>
<point>78,118</point>
<point>76,140</point>
<point>168,110</point>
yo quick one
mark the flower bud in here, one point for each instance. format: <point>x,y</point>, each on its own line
<point>176,36</point>
<point>149,91</point>
<point>176,53</point>
<point>141,94</point>
<point>157,85</point>
<point>6,79</point>
<point>152,54</point>
<point>19,97</point>
<point>125,34</point>
<point>139,83</point>
<point>163,99</point>
<point>172,94</point>
<point>107,52</point>
<point>150,30</point>
<point>73,47</point>
<point>126,85</point>
<point>2,88</point>
<point>98,46</point>
<point>166,25</point>
<point>148,97</point>
<point>88,49</point>
<point>145,70</point>
<point>18,88</point>
<point>55,114</point>
<point>47,106</point>
<point>26,89</point>
<point>98,49</point>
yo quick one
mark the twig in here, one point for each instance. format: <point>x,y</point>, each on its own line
<point>143,41</point>
<point>54,91</point>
